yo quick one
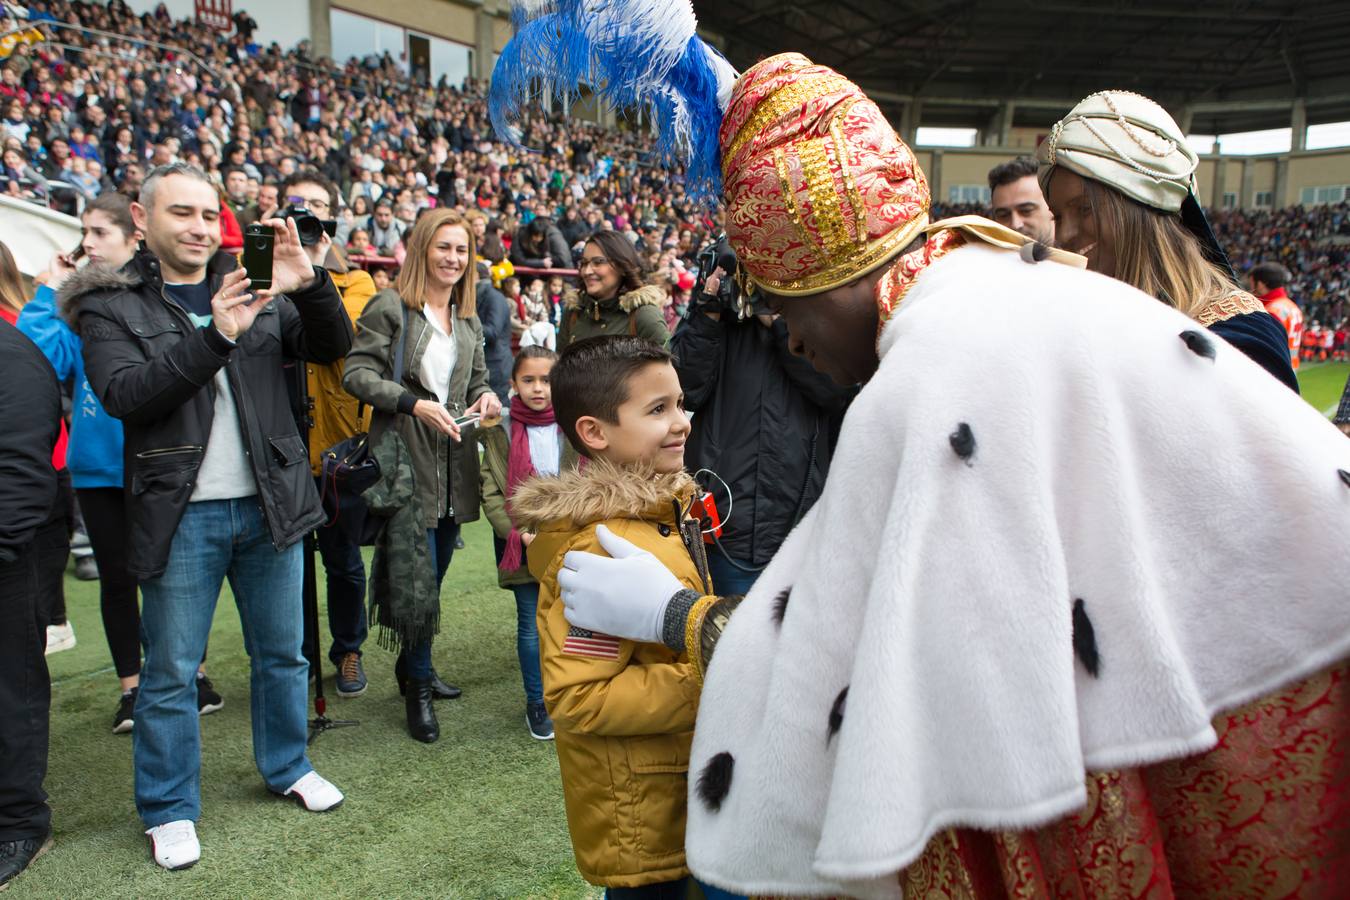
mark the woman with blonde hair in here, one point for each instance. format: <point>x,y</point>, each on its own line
<point>1120,180</point>
<point>427,325</point>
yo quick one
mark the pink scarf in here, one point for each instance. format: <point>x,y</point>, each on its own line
<point>520,468</point>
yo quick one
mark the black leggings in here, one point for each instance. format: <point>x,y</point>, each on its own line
<point>105,518</point>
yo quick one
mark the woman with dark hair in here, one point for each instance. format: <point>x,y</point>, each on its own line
<point>613,298</point>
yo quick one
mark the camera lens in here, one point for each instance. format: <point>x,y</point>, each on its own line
<point>260,244</point>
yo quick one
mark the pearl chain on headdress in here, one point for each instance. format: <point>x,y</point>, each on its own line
<point>1132,131</point>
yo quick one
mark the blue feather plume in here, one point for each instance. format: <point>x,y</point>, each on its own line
<point>633,54</point>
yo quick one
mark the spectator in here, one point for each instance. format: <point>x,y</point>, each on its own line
<point>765,422</point>
<point>95,450</point>
<point>335,417</point>
<point>195,520</point>
<point>1267,283</point>
<point>494,311</point>
<point>385,231</point>
<point>34,541</point>
<point>540,245</point>
<point>433,308</point>
<point>613,299</point>
<point>1016,200</point>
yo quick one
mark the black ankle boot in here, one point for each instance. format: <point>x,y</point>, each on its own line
<point>439,689</point>
<point>422,724</point>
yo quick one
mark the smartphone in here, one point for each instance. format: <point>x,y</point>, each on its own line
<point>466,420</point>
<point>76,255</point>
<point>258,241</point>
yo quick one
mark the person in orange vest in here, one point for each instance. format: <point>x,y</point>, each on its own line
<point>1268,281</point>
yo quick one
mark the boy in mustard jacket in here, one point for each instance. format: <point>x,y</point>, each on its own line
<point>623,712</point>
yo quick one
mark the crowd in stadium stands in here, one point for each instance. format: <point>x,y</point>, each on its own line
<point>80,121</point>
<point>1313,244</point>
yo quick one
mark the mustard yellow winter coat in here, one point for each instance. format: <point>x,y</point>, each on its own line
<point>623,712</point>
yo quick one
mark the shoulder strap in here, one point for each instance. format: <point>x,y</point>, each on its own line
<point>632,323</point>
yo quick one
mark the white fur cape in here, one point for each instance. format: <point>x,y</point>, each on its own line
<point>1195,505</point>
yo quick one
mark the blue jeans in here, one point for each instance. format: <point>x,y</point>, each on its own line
<point>216,540</point>
<point>527,632</point>
<point>442,541</point>
<point>346,572</point>
<point>729,581</point>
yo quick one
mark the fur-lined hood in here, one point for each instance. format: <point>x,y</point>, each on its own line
<point>647,295</point>
<point>86,281</point>
<point>595,493</point>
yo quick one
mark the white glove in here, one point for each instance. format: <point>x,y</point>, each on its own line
<point>625,595</point>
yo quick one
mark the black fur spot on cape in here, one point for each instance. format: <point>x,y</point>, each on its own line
<point>1085,640</point>
<point>780,605</point>
<point>1034,252</point>
<point>715,781</point>
<point>963,442</point>
<point>1198,343</point>
<point>1345,476</point>
<point>837,715</point>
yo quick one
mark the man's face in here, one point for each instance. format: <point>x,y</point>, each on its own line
<point>383,216</point>
<point>314,198</point>
<point>267,197</point>
<point>1021,206</point>
<point>236,183</point>
<point>835,331</point>
<point>182,226</point>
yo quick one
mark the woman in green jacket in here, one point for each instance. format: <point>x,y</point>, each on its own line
<point>431,310</point>
<point>528,442</point>
<point>613,299</point>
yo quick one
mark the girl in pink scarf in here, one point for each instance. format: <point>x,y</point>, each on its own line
<point>528,443</point>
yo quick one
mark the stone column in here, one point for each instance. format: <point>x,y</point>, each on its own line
<point>1246,195</point>
<point>1220,171</point>
<point>935,185</point>
<point>1298,126</point>
<point>484,44</point>
<point>321,27</point>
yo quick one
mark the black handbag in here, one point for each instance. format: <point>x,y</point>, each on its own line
<point>349,468</point>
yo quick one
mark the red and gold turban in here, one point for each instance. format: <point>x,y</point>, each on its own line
<point>819,189</point>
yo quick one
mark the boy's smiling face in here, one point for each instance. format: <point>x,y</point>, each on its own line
<point>652,426</point>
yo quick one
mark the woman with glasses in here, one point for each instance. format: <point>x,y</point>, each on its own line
<point>612,299</point>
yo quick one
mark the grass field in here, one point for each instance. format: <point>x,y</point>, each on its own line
<point>478,814</point>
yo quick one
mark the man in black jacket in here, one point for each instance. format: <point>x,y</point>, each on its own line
<point>764,423</point>
<point>177,347</point>
<point>33,538</point>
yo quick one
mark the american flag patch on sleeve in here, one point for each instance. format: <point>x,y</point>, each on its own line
<point>580,642</point>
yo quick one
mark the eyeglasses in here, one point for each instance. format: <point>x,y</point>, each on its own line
<point>593,262</point>
<point>318,206</point>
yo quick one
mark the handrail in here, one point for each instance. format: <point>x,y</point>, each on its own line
<point>51,23</point>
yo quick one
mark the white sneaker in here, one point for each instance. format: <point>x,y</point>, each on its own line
<point>315,793</point>
<point>174,844</point>
<point>60,637</point>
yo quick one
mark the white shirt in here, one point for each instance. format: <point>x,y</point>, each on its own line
<point>439,360</point>
<point>545,449</point>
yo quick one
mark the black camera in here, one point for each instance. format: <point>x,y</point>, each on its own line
<point>309,226</point>
<point>729,300</point>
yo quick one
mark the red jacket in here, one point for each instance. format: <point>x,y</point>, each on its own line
<point>1287,313</point>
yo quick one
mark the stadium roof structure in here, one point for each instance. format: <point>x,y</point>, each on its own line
<point>1228,65</point>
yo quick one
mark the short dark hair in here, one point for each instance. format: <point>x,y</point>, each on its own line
<point>312,176</point>
<point>534,351</point>
<point>591,379</point>
<point>1013,170</point>
<point>1272,275</point>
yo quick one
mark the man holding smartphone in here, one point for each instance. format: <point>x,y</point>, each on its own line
<point>178,348</point>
